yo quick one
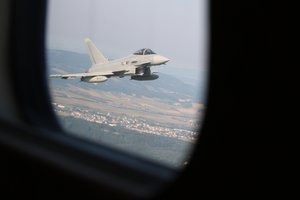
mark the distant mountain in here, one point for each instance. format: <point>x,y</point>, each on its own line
<point>166,87</point>
<point>71,61</point>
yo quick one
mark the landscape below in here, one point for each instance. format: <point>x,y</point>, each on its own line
<point>157,119</point>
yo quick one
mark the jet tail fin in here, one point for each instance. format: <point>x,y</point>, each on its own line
<point>95,55</point>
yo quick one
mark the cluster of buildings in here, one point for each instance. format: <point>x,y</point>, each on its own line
<point>131,123</point>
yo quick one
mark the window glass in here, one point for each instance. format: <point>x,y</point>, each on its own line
<point>148,52</point>
<point>150,106</point>
<point>139,52</point>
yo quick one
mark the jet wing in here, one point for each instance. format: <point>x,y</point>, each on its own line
<point>72,76</point>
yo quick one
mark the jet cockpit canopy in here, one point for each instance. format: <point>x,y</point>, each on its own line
<point>144,51</point>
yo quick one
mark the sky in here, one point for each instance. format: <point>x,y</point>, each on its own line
<point>176,29</point>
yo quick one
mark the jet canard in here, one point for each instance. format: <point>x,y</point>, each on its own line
<point>136,65</point>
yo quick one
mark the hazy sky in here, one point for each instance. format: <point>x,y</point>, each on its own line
<point>173,28</point>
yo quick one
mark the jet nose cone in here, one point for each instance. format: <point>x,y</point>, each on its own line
<point>165,60</point>
<point>158,60</point>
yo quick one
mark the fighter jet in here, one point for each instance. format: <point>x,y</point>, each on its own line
<point>136,65</point>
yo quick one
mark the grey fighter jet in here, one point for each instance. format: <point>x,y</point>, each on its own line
<point>136,65</point>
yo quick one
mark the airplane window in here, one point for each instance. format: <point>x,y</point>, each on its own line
<point>149,106</point>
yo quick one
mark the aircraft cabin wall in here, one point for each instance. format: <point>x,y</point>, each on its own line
<point>8,110</point>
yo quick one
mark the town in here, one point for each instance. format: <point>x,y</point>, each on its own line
<point>128,122</point>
